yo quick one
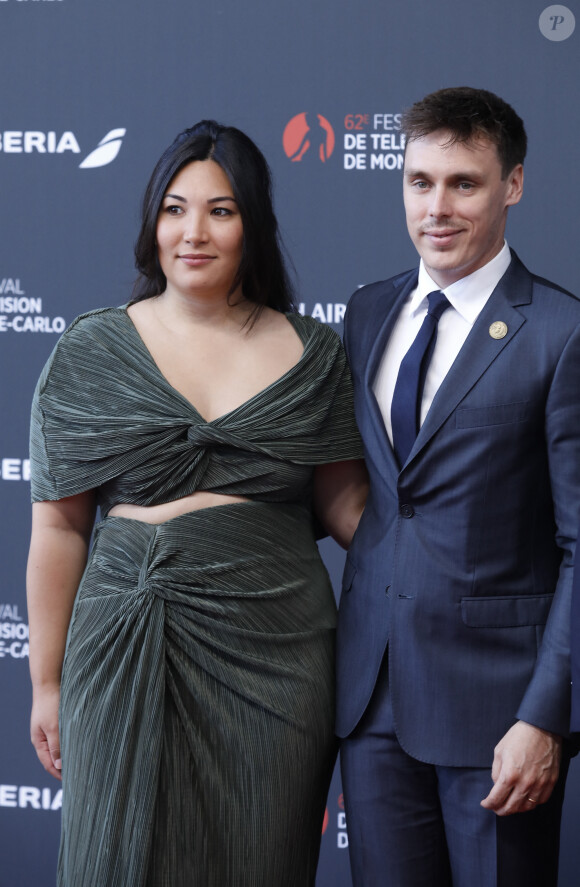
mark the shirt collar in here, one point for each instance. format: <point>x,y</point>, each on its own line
<point>467,295</point>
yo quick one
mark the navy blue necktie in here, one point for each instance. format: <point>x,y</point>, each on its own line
<point>408,393</point>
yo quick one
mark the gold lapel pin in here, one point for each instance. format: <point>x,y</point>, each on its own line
<point>498,330</point>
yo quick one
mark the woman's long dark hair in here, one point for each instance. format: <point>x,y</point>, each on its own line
<point>262,273</point>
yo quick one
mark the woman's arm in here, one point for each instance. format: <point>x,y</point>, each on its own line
<point>61,533</point>
<point>340,492</point>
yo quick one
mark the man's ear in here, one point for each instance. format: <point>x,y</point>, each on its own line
<point>515,185</point>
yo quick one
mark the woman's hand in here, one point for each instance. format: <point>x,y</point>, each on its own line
<point>44,728</point>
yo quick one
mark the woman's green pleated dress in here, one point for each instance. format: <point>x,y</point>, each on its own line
<point>197,691</point>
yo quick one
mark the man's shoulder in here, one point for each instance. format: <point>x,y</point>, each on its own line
<point>383,292</point>
<point>543,292</point>
<point>541,284</point>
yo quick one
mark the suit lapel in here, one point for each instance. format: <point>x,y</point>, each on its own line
<point>407,284</point>
<point>479,350</point>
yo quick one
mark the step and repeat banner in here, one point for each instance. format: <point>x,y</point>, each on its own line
<point>92,92</point>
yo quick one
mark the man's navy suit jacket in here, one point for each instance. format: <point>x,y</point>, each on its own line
<point>461,566</point>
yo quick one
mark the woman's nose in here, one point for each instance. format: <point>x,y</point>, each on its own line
<point>194,230</point>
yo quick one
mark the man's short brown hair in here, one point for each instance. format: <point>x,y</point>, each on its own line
<point>469,114</point>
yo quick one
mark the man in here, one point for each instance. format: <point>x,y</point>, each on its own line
<point>453,639</point>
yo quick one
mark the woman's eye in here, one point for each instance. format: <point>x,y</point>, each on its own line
<point>221,211</point>
<point>174,210</point>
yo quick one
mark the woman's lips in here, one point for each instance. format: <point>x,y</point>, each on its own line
<point>196,259</point>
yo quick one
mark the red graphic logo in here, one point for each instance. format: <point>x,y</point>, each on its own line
<point>307,131</point>
<point>325,823</point>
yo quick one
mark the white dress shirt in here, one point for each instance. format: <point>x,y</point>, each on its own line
<point>467,298</point>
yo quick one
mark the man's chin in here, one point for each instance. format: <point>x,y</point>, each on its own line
<point>444,270</point>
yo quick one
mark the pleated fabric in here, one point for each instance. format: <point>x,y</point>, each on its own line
<point>105,418</point>
<point>197,689</point>
<point>197,703</point>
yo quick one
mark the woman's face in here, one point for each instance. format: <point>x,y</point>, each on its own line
<point>199,232</point>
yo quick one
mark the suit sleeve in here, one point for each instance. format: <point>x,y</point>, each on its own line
<point>546,703</point>
<point>575,645</point>
<point>346,327</point>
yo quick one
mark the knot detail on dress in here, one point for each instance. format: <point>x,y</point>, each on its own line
<point>204,435</point>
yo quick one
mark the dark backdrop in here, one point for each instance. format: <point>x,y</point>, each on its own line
<point>131,74</point>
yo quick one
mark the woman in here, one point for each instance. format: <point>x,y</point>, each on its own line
<point>204,421</point>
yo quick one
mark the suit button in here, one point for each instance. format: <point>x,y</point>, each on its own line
<point>406,511</point>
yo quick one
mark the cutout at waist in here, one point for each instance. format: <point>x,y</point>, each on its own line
<point>159,514</point>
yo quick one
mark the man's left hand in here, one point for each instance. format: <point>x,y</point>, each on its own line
<point>525,768</point>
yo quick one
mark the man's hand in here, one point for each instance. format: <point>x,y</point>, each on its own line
<point>525,768</point>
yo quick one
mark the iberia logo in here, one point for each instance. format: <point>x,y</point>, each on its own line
<point>106,151</point>
<point>306,131</point>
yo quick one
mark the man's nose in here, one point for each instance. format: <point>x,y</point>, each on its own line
<point>440,203</point>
